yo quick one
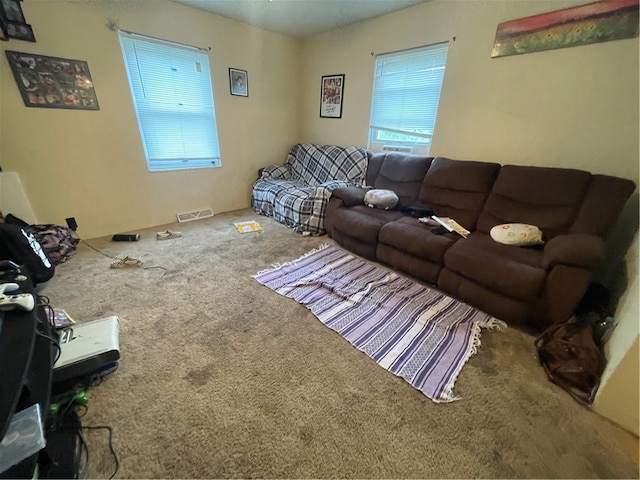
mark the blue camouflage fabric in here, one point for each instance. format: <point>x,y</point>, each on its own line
<point>296,193</point>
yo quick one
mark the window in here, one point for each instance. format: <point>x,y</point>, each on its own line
<point>173,98</point>
<point>406,92</point>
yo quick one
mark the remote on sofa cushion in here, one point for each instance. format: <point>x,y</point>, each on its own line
<point>518,234</point>
<point>380,198</point>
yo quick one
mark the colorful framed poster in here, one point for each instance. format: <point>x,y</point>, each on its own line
<point>52,82</point>
<point>331,96</point>
<point>595,22</point>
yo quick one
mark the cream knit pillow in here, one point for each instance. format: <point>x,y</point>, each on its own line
<point>518,234</point>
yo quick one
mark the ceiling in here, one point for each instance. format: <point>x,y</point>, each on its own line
<point>300,18</point>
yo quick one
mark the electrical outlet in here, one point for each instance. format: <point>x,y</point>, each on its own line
<point>71,223</point>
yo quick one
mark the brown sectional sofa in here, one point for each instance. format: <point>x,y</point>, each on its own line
<point>533,285</point>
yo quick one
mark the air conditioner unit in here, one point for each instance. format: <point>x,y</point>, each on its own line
<point>422,149</point>
<point>394,148</point>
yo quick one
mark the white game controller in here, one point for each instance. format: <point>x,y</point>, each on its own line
<point>23,301</point>
<point>8,287</point>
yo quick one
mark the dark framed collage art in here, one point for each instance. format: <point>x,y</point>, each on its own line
<point>53,82</point>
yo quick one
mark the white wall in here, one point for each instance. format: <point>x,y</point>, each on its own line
<point>13,198</point>
<point>573,107</point>
<point>618,395</point>
<point>90,164</point>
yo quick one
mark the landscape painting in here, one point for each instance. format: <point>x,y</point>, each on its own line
<point>595,22</point>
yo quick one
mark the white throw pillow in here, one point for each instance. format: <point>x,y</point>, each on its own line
<point>379,198</point>
<point>518,234</point>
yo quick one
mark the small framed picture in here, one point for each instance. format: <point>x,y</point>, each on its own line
<point>20,31</point>
<point>12,11</point>
<point>331,96</point>
<point>238,82</point>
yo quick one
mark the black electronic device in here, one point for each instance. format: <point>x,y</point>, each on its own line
<point>9,265</point>
<point>134,237</point>
<point>71,223</point>
<point>10,272</point>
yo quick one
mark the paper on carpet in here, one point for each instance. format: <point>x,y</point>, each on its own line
<point>417,333</point>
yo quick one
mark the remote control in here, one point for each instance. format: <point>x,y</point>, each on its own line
<point>23,301</point>
<point>8,287</point>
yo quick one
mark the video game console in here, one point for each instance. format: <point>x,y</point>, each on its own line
<point>86,348</point>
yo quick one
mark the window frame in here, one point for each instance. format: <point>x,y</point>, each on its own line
<point>382,134</point>
<point>176,134</point>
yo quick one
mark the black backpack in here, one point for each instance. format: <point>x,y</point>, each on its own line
<point>22,248</point>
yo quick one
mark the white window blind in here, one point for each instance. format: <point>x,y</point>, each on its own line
<point>173,98</point>
<point>406,92</point>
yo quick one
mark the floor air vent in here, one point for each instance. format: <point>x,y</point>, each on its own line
<point>195,215</point>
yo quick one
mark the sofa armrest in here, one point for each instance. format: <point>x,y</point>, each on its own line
<point>576,250</point>
<point>275,172</point>
<point>350,196</point>
<point>331,185</point>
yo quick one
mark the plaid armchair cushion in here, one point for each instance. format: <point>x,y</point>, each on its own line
<point>317,164</point>
<point>313,172</point>
<point>274,172</point>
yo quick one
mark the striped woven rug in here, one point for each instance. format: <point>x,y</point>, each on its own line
<point>413,331</point>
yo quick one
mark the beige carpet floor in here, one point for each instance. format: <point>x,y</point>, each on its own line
<point>220,377</point>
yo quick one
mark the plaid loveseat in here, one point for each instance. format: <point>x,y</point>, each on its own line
<point>296,193</point>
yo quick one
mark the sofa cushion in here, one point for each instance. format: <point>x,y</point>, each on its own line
<point>317,164</point>
<point>409,235</point>
<point>402,173</point>
<point>420,268</point>
<point>350,196</point>
<point>264,193</point>
<point>604,196</point>
<point>517,272</point>
<point>499,304</point>
<point>361,222</point>
<point>546,197</point>
<point>458,188</point>
<point>294,204</point>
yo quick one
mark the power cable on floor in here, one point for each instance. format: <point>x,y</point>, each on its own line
<point>121,262</point>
